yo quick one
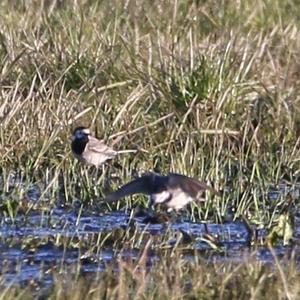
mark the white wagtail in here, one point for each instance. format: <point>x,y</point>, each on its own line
<point>174,191</point>
<point>90,150</point>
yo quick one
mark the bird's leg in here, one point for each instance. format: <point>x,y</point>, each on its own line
<point>151,205</point>
<point>151,210</point>
<point>173,213</point>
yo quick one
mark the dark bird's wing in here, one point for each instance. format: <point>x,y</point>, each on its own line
<point>189,185</point>
<point>142,185</point>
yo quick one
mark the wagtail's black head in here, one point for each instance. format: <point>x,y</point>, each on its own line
<point>174,190</point>
<point>80,138</point>
<point>80,133</point>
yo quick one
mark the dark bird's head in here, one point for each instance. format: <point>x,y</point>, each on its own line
<point>80,138</point>
<point>80,133</point>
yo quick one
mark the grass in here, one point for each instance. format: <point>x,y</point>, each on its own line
<point>209,89</point>
<point>197,281</point>
<point>173,277</point>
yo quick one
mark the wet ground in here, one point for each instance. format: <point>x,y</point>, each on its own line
<point>36,245</point>
<point>32,248</point>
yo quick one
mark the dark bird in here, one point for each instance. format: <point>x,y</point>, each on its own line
<point>91,151</point>
<point>174,191</point>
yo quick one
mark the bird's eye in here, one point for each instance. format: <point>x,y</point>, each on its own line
<point>78,134</point>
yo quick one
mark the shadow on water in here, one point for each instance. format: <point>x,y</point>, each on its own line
<point>36,245</point>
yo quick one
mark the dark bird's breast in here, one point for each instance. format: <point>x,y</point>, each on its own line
<point>78,146</point>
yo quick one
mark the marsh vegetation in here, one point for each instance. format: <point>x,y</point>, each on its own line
<point>209,89</point>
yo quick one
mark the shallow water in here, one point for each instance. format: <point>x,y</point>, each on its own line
<point>40,257</point>
<point>36,245</point>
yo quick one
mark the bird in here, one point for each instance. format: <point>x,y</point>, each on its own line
<point>91,151</point>
<point>174,190</point>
